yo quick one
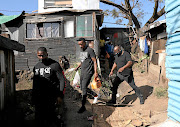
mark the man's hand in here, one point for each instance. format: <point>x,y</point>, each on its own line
<point>59,100</point>
<point>110,74</point>
<point>121,69</point>
<point>76,69</point>
<point>95,75</point>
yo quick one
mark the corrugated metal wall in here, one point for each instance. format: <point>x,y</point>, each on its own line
<point>172,8</point>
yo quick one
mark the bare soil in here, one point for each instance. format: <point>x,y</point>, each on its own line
<point>127,113</point>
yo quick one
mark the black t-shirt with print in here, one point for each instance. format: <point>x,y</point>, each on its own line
<point>122,60</point>
<point>48,80</point>
<point>87,65</point>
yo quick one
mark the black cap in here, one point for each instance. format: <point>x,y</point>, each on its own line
<point>82,39</point>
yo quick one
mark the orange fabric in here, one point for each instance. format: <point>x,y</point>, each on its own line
<point>96,83</point>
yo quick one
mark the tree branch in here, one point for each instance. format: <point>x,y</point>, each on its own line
<point>156,16</point>
<point>156,7</point>
<point>125,11</point>
<point>134,4</point>
<point>115,5</point>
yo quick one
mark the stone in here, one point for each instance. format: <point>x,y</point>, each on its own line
<point>137,123</point>
<point>127,122</point>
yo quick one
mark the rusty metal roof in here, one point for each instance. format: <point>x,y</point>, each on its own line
<point>72,10</point>
<point>99,13</point>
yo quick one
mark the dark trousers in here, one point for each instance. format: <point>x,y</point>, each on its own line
<point>84,82</point>
<point>111,60</point>
<point>45,113</point>
<point>129,79</point>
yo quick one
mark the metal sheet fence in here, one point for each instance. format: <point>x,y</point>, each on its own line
<point>172,8</point>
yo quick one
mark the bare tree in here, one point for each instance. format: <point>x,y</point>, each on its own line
<point>127,7</point>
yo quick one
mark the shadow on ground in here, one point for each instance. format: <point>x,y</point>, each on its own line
<point>22,114</point>
<point>130,99</point>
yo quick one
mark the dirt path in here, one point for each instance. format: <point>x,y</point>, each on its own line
<point>72,102</point>
<point>128,112</point>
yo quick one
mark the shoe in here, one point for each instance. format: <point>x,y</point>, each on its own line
<point>141,100</point>
<point>82,109</point>
<point>111,102</point>
<point>95,100</point>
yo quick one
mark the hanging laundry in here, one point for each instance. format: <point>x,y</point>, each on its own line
<point>146,47</point>
<point>143,44</point>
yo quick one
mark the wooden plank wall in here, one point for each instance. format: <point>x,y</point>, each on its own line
<point>7,85</point>
<point>2,82</point>
<point>157,45</point>
<point>55,47</point>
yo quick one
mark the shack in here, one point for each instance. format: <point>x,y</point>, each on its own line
<point>155,37</point>
<point>7,71</point>
<point>57,26</point>
<point>118,36</point>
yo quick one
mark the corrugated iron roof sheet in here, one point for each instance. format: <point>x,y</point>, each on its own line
<point>172,8</point>
<point>71,10</point>
<point>152,25</point>
<point>4,18</point>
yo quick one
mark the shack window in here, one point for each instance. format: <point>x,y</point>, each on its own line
<point>39,30</point>
<point>47,29</point>
<point>55,29</point>
<point>31,30</point>
<point>43,30</point>
<point>57,3</point>
<point>84,26</point>
<point>69,28</point>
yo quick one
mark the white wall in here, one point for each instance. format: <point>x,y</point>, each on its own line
<point>77,4</point>
<point>85,4</point>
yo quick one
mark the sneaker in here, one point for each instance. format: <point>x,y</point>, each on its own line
<point>95,100</point>
<point>82,109</point>
<point>141,100</point>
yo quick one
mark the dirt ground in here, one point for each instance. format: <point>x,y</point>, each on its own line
<point>128,113</point>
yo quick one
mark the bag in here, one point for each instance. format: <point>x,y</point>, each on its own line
<point>76,79</point>
<point>96,83</point>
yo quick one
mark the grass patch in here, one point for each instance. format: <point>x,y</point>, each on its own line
<point>161,92</point>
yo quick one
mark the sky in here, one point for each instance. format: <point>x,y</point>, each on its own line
<point>15,7</point>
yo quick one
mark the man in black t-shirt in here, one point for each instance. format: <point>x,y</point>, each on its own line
<point>88,68</point>
<point>123,62</point>
<point>48,86</point>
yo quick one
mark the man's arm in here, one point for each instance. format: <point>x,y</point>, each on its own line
<point>113,67</point>
<point>78,67</point>
<point>95,67</point>
<point>129,64</point>
<point>34,92</point>
<point>61,79</point>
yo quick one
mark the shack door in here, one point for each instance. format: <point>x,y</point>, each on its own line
<point>2,74</point>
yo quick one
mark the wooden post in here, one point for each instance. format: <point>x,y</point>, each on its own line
<point>94,23</point>
<point>2,73</point>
